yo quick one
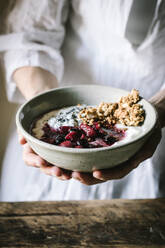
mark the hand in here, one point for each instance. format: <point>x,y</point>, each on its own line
<point>118,172</point>
<point>34,160</point>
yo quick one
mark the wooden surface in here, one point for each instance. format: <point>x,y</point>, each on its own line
<point>115,223</point>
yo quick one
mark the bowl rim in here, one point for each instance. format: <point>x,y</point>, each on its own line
<point>78,150</point>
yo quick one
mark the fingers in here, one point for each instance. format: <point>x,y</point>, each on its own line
<point>56,172</point>
<point>85,178</point>
<point>31,158</point>
<point>115,173</point>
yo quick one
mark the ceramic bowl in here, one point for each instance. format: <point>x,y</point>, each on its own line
<point>76,159</point>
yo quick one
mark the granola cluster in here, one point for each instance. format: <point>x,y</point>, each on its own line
<point>127,111</point>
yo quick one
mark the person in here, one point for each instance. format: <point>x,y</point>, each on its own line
<point>47,44</point>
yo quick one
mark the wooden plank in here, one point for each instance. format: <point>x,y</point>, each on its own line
<point>113,223</point>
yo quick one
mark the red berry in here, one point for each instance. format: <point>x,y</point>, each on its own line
<point>78,146</point>
<point>66,143</point>
<point>96,125</point>
<point>82,136</point>
<point>71,136</point>
<point>89,131</point>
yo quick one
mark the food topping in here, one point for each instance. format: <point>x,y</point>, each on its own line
<point>83,136</point>
<point>84,126</point>
<point>127,112</point>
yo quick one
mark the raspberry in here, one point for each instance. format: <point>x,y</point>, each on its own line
<point>89,131</point>
<point>82,136</point>
<point>66,143</point>
<point>71,136</point>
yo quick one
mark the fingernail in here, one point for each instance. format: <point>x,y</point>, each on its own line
<point>95,174</point>
<point>74,175</point>
<point>54,172</point>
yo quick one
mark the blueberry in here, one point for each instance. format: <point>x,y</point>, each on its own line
<point>59,138</point>
<point>83,142</point>
<point>110,139</point>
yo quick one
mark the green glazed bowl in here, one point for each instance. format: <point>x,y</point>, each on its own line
<point>77,159</point>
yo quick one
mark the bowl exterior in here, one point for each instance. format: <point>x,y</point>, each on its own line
<point>88,162</point>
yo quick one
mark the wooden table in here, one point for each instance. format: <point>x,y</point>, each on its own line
<point>112,223</point>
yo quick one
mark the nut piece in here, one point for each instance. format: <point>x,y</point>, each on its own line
<point>126,112</point>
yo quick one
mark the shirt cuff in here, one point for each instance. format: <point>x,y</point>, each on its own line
<point>21,58</point>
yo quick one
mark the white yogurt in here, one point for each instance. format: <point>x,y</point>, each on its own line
<point>130,134</point>
<point>66,117</point>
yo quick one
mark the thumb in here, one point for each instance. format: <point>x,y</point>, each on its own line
<point>21,139</point>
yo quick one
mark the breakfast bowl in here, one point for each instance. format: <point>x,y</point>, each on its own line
<point>88,159</point>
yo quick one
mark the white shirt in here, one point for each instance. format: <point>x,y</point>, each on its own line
<point>94,50</point>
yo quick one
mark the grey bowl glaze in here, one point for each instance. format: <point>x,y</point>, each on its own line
<point>84,160</point>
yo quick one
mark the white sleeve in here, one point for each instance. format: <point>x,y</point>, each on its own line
<point>34,35</point>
